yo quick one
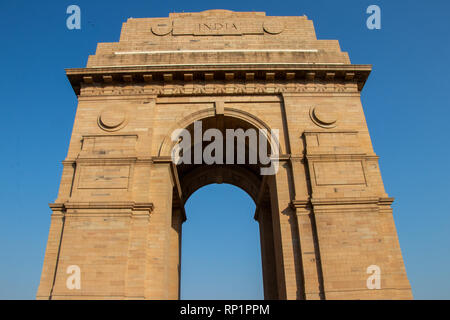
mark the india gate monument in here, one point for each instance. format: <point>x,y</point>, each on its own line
<point>326,224</point>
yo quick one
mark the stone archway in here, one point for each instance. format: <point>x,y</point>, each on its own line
<point>191,177</point>
<point>324,215</point>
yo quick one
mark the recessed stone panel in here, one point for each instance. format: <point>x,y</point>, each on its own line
<point>339,173</point>
<point>108,146</point>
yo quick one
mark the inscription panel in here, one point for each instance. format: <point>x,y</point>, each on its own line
<point>208,27</point>
<point>104,177</point>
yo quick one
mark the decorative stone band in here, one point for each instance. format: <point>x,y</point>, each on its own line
<point>306,204</point>
<point>347,201</point>
<point>102,208</point>
<point>227,78</point>
<point>353,156</point>
<point>216,88</point>
<point>364,205</point>
<point>213,51</point>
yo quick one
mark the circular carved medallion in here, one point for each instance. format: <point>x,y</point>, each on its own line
<point>112,119</point>
<point>323,116</point>
<point>162,28</point>
<point>273,26</point>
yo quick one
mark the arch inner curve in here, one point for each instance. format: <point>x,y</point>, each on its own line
<point>192,176</point>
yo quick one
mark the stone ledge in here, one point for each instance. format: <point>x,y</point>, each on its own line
<point>340,201</point>
<point>138,206</point>
<point>157,74</point>
<point>349,201</point>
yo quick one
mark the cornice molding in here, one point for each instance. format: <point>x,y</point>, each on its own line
<point>241,78</point>
<point>300,204</point>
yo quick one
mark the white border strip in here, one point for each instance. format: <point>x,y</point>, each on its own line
<point>213,51</point>
<point>220,64</point>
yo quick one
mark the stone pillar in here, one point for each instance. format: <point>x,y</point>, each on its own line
<point>309,252</point>
<point>352,218</point>
<point>175,254</point>
<point>137,257</point>
<point>264,218</point>
<point>312,282</point>
<point>160,227</point>
<point>285,234</point>
<point>51,253</point>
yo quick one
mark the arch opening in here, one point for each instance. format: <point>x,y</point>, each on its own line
<point>194,177</point>
<point>221,251</point>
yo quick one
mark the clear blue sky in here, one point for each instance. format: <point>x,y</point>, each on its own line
<point>406,102</point>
